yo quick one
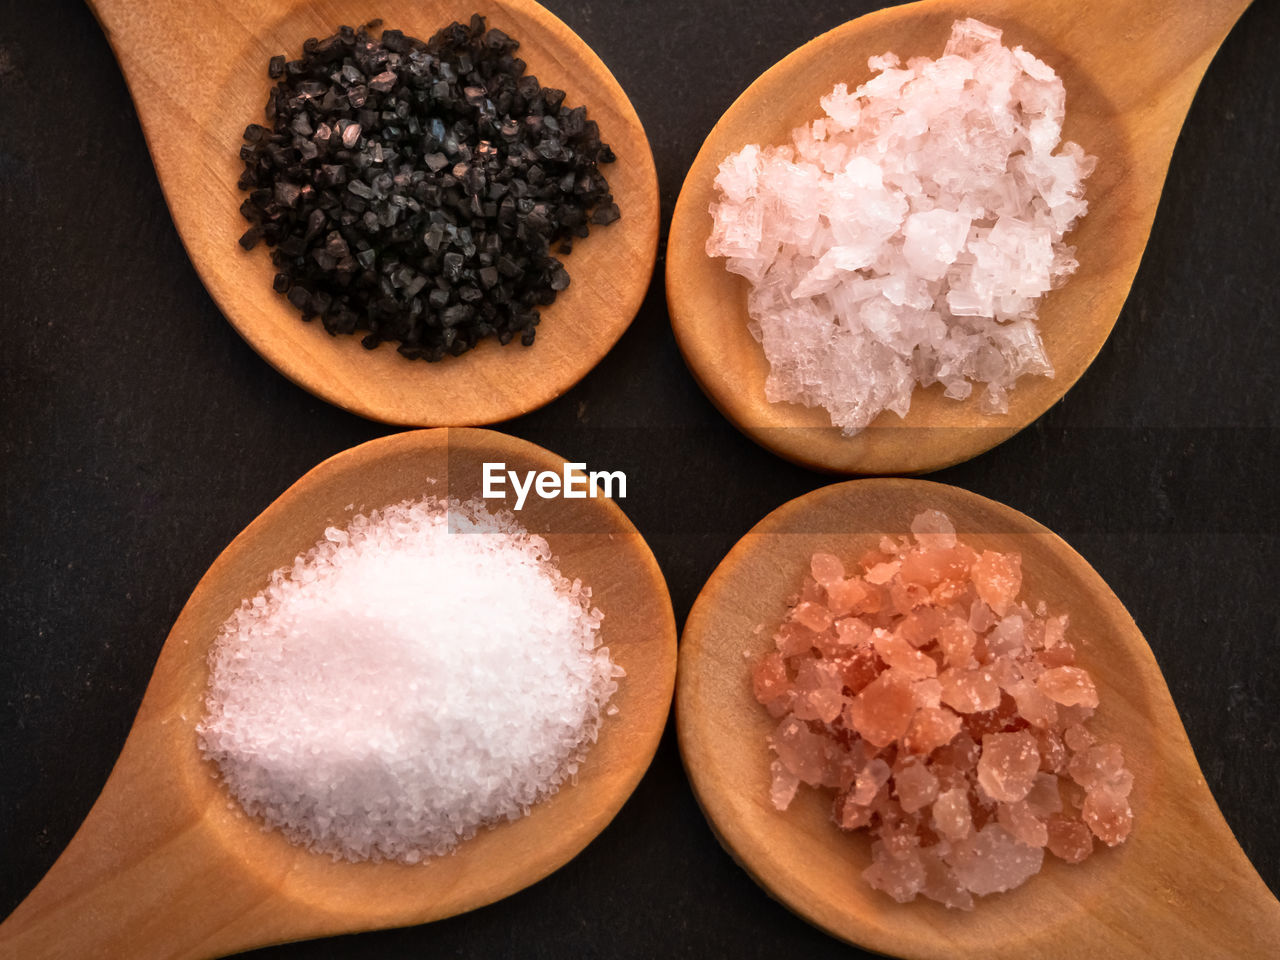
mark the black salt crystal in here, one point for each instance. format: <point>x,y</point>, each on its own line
<point>448,172</point>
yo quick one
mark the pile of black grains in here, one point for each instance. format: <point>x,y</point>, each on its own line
<point>415,190</point>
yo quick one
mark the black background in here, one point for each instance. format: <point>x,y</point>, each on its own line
<point>141,434</point>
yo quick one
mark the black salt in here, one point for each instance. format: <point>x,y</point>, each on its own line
<point>413,191</point>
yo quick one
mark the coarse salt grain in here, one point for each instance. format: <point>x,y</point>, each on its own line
<point>909,234</point>
<point>417,675</point>
<point>953,732</point>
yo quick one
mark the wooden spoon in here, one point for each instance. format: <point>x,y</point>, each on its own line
<point>166,865</point>
<point>1180,887</point>
<point>1130,71</point>
<point>198,75</point>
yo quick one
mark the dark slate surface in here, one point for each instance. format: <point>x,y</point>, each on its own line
<point>136,420</point>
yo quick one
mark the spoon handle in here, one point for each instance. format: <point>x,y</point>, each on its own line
<point>140,879</point>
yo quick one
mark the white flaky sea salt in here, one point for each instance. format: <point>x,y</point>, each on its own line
<point>908,235</point>
<point>417,675</point>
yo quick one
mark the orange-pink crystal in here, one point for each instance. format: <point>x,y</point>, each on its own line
<point>948,717</point>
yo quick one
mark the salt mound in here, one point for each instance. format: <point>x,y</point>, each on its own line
<point>909,234</point>
<point>948,717</point>
<point>422,673</point>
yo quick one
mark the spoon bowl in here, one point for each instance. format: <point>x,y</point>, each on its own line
<point>198,76</point>
<point>1180,886</point>
<point>1130,72</point>
<point>167,865</point>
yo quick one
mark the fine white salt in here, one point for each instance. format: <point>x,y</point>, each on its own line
<point>908,235</point>
<point>417,675</point>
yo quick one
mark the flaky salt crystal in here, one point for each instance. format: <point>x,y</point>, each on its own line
<point>947,717</point>
<point>1008,765</point>
<point>907,236</point>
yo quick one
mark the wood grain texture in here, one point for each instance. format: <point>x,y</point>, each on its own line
<point>197,73</point>
<point>1130,72</point>
<point>167,866</point>
<point>1180,887</point>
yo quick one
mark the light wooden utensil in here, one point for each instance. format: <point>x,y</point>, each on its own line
<point>1130,71</point>
<point>1180,887</point>
<point>198,75</point>
<point>167,866</point>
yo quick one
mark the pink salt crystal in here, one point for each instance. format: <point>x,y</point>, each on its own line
<point>921,626</point>
<point>882,573</point>
<point>951,814</point>
<point>853,632</point>
<point>1061,655</point>
<point>940,882</point>
<point>1053,755</point>
<point>969,691</point>
<point>801,750</point>
<point>1037,709</point>
<point>900,877</point>
<point>956,640</point>
<point>826,569</point>
<point>1107,813</point>
<point>1022,823</point>
<point>933,565</point>
<point>869,780</point>
<point>1100,764</point>
<point>1070,686</point>
<point>882,709</point>
<point>928,692</point>
<point>783,785</point>
<point>899,654</point>
<point>997,577</point>
<point>849,815</point>
<point>981,619</point>
<point>1044,797</point>
<point>930,728</point>
<point>848,596</point>
<point>1077,738</point>
<point>933,530</point>
<point>769,677</point>
<point>906,597</point>
<point>1069,840</point>
<point>862,672</point>
<point>859,670</point>
<point>915,786</point>
<point>815,616</point>
<point>1007,637</point>
<point>1008,765</point>
<point>992,860</point>
<point>1055,631</point>
<point>792,639</point>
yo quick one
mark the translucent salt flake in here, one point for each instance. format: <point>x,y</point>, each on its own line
<point>882,710</point>
<point>826,569</point>
<point>946,714</point>
<point>992,860</point>
<point>916,786</point>
<point>969,691</point>
<point>1069,839</point>
<point>1107,813</point>
<point>998,578</point>
<point>1070,686</point>
<point>900,877</point>
<point>952,817</point>
<point>908,236</point>
<point>1008,765</point>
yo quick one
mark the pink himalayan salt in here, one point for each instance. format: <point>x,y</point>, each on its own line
<point>916,690</point>
<point>1008,765</point>
<point>1069,686</point>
